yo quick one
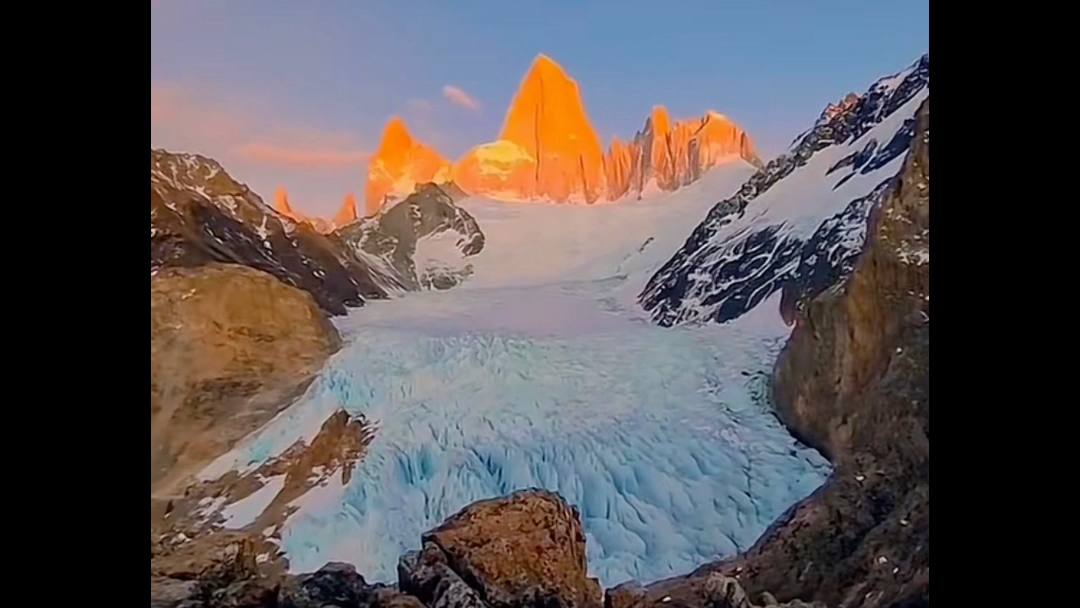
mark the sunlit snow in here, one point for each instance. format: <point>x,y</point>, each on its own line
<point>541,371</point>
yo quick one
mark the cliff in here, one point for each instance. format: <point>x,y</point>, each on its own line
<point>666,155</point>
<point>399,165</point>
<point>547,148</point>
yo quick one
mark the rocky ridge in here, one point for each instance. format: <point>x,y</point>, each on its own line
<point>199,215</point>
<point>733,260</point>
<point>426,239</point>
<point>666,155</point>
<point>345,215</point>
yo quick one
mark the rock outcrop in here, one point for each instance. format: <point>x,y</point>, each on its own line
<point>222,505</point>
<point>199,215</point>
<point>835,109</point>
<point>347,214</point>
<point>526,549</point>
<point>399,165</point>
<point>521,551</point>
<point>426,240</point>
<point>666,154</point>
<point>230,347</point>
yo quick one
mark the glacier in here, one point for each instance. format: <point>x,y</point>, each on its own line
<point>542,371</point>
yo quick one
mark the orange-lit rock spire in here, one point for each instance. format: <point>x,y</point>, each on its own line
<point>281,203</point>
<point>347,213</point>
<point>667,154</point>
<point>399,165</point>
<point>547,149</point>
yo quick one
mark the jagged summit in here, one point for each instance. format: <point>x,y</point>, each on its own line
<point>399,165</point>
<point>548,149</point>
<point>347,213</point>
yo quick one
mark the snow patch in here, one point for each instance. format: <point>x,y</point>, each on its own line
<point>246,510</point>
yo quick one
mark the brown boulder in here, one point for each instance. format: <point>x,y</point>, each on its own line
<point>525,549</point>
<point>230,347</point>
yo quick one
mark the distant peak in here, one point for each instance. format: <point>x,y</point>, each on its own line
<point>542,60</point>
<point>281,201</point>
<point>544,66</point>
<point>347,213</point>
<point>396,131</point>
<point>661,120</point>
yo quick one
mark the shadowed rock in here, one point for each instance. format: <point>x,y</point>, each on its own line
<point>230,347</point>
<point>201,215</point>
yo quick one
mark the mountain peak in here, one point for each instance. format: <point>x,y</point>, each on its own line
<point>543,64</point>
<point>281,202</point>
<point>347,213</point>
<point>548,148</point>
<point>399,165</point>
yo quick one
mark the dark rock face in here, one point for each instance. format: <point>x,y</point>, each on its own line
<point>199,214</point>
<point>733,261</point>
<point>853,381</point>
<point>394,236</point>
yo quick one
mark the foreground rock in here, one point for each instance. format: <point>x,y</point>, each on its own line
<point>200,215</point>
<point>527,549</point>
<point>230,347</point>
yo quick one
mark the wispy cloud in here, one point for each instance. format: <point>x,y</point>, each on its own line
<point>196,121</point>
<point>300,157</point>
<point>457,96</point>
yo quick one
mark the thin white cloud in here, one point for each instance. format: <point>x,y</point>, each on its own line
<point>457,96</point>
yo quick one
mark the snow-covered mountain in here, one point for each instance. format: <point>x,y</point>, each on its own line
<point>426,239</point>
<point>200,214</point>
<point>800,221</point>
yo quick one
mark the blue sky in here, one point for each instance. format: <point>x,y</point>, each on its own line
<point>296,93</point>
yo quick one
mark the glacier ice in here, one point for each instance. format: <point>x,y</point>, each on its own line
<point>659,436</point>
<point>550,376</point>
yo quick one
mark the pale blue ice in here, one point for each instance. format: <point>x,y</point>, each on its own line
<point>662,438</point>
